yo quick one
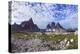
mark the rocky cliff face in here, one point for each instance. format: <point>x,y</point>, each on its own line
<point>15,27</point>
<point>28,26</point>
<point>59,28</point>
<point>56,27</point>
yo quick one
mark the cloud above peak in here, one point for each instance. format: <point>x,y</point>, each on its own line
<point>44,13</point>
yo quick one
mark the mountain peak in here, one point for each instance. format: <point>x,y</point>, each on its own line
<point>58,25</point>
<point>30,20</point>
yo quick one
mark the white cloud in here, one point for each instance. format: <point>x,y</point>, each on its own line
<point>41,14</point>
<point>71,21</point>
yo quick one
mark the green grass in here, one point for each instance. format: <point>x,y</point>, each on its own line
<point>51,37</point>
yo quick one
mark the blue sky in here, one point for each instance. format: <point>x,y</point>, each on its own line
<point>44,13</point>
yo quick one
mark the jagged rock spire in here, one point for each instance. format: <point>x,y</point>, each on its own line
<point>58,26</point>
<point>31,21</point>
<point>48,26</point>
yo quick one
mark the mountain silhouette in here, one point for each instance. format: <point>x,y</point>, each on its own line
<point>56,27</point>
<point>29,26</point>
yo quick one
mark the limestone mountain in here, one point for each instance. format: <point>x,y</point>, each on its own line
<point>28,26</point>
<point>55,27</point>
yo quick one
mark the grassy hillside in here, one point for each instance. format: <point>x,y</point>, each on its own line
<point>45,39</point>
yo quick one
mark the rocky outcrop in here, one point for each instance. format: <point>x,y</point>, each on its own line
<point>28,26</point>
<point>59,28</point>
<point>15,27</point>
<point>55,27</point>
